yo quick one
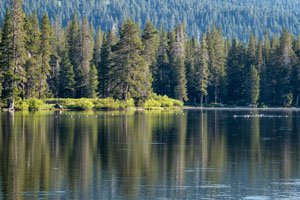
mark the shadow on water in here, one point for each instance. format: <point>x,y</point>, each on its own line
<point>190,154</point>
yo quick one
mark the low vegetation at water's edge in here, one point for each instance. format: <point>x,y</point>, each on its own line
<point>155,102</point>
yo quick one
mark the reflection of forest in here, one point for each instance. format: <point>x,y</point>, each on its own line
<point>134,154</point>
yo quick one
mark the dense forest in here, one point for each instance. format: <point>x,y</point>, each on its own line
<point>42,60</point>
<point>237,17</point>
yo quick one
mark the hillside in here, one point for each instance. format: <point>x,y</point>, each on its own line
<point>235,16</point>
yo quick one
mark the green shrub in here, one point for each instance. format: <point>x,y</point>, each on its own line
<point>21,105</point>
<point>112,104</point>
<point>162,101</point>
<point>107,103</point>
<point>79,104</point>
<point>35,104</point>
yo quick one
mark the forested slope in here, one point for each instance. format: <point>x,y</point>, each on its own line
<point>235,16</point>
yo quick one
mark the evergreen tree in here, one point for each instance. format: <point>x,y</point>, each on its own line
<point>97,48</point>
<point>45,51</point>
<point>86,46</point>
<point>253,85</point>
<point>287,61</point>
<point>93,82</point>
<point>58,40</point>
<point>180,91</point>
<point>162,84</point>
<point>66,78</point>
<point>202,70</point>
<point>177,55</point>
<point>150,42</point>
<point>263,72</point>
<point>190,62</point>
<point>6,51</point>
<point>15,76</point>
<point>130,78</point>
<point>105,68</point>
<point>33,64</point>
<point>73,39</point>
<point>216,63</point>
<point>236,73</point>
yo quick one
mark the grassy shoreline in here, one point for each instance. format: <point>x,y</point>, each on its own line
<point>154,102</point>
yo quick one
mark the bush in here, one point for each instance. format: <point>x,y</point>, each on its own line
<point>21,105</point>
<point>162,101</point>
<point>79,104</point>
<point>107,103</point>
<point>112,104</point>
<point>35,104</point>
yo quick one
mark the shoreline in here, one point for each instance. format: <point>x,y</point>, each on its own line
<point>173,108</point>
<point>237,108</point>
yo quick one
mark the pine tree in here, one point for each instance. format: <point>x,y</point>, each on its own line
<point>130,78</point>
<point>202,70</point>
<point>253,85</point>
<point>162,84</point>
<point>236,73</point>
<point>150,42</point>
<point>104,69</point>
<point>264,67</point>
<point>216,63</point>
<point>251,51</point>
<point>33,64</point>
<point>177,55</point>
<point>180,91</point>
<point>286,61</point>
<point>45,52</point>
<point>86,45</point>
<point>15,76</point>
<point>97,48</point>
<point>58,40</point>
<point>190,62</point>
<point>93,82</point>
<point>73,38</point>
<point>66,78</point>
<point>6,52</point>
<point>273,73</point>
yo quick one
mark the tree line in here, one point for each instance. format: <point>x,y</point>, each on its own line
<point>236,17</point>
<point>39,60</point>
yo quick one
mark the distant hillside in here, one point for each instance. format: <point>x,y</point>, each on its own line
<point>237,17</point>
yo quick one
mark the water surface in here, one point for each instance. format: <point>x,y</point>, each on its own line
<point>190,154</point>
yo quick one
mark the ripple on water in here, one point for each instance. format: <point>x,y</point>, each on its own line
<point>43,193</point>
<point>214,186</point>
<point>256,198</point>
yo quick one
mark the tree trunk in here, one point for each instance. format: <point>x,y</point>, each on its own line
<point>297,102</point>
<point>216,95</point>
<point>11,105</point>
<point>201,100</point>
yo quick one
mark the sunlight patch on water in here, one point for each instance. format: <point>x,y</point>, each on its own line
<point>214,186</point>
<point>43,193</point>
<point>256,198</point>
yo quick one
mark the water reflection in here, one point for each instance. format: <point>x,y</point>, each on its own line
<point>145,155</point>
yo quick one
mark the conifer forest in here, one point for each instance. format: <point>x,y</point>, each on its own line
<point>42,57</point>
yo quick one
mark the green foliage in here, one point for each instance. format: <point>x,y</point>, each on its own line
<point>158,101</point>
<point>254,83</point>
<point>66,78</point>
<point>112,104</point>
<point>79,104</point>
<point>73,63</point>
<point>30,104</point>
<point>131,77</point>
<point>240,17</point>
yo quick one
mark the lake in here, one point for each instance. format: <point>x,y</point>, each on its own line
<point>185,154</point>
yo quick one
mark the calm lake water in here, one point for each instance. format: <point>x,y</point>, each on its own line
<point>190,154</point>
